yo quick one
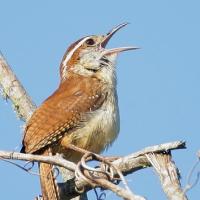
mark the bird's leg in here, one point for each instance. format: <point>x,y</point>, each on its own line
<point>84,151</point>
<point>77,149</point>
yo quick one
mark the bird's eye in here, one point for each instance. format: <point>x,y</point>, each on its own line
<point>90,42</point>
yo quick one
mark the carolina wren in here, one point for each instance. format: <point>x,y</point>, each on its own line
<point>83,111</point>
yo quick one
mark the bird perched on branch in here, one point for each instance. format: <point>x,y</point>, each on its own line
<point>83,111</point>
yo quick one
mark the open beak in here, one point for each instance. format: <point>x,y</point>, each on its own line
<point>109,35</point>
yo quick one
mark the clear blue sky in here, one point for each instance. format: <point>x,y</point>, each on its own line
<point>158,86</point>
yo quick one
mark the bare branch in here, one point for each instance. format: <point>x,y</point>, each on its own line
<point>125,164</point>
<point>168,174</point>
<point>138,160</point>
<point>55,160</point>
<point>94,176</point>
<point>12,89</point>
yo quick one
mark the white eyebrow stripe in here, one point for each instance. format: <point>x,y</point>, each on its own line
<point>73,50</point>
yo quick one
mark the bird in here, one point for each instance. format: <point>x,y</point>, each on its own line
<point>83,111</point>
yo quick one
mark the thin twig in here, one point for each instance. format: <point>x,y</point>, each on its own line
<point>189,184</point>
<point>21,167</point>
<point>102,195</point>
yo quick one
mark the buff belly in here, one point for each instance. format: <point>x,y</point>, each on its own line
<point>97,134</point>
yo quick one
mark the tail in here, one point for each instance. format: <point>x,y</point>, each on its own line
<point>48,183</point>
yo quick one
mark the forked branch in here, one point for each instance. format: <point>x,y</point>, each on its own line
<point>127,164</point>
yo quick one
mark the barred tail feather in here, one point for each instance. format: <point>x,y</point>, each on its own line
<point>48,182</point>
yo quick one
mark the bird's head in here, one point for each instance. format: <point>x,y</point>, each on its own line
<point>89,57</point>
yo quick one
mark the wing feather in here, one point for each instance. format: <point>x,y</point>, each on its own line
<point>62,112</point>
